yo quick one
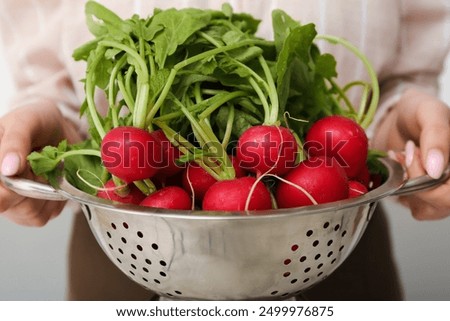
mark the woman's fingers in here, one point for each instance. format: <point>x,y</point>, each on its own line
<point>31,212</point>
<point>429,204</point>
<point>434,138</point>
<point>21,131</point>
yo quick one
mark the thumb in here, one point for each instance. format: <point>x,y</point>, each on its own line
<point>14,148</point>
<point>26,128</point>
<point>434,140</point>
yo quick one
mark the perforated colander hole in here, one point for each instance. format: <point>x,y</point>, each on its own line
<point>287,262</point>
<point>315,243</point>
<point>125,225</point>
<point>139,247</point>
<point>341,248</point>
<point>320,274</point>
<point>320,266</point>
<point>148,261</point>
<point>169,294</point>
<point>294,247</point>
<point>157,281</point>
<point>309,233</point>
<point>337,227</point>
<point>155,246</point>
<point>330,242</point>
<point>274,293</point>
<point>132,273</point>
<point>344,233</point>
<point>163,263</point>
<point>145,280</point>
<point>303,259</point>
<point>118,260</point>
<point>178,292</point>
<point>286,274</point>
<point>124,240</point>
<point>134,257</point>
<point>330,254</point>
<point>145,269</point>
<point>317,257</point>
<point>326,224</point>
<point>120,251</point>
<point>333,261</point>
<point>306,280</point>
<point>163,274</point>
<point>285,294</point>
<point>139,234</point>
<point>307,270</point>
<point>109,234</point>
<point>294,281</point>
<point>133,266</point>
<point>111,247</point>
<point>113,226</point>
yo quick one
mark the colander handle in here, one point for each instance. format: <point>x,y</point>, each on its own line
<point>32,189</point>
<point>422,183</point>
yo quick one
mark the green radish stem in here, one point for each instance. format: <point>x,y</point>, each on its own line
<point>189,150</point>
<point>87,152</point>
<point>229,126</point>
<point>125,93</point>
<point>207,139</point>
<point>370,112</point>
<point>112,93</point>
<point>142,95</point>
<point>90,91</point>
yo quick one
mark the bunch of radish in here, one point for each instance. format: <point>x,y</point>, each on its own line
<point>214,118</point>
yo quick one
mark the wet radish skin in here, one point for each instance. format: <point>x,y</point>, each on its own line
<point>134,195</point>
<point>322,178</point>
<point>263,149</point>
<point>231,195</point>
<point>131,153</point>
<point>170,197</point>
<point>340,138</point>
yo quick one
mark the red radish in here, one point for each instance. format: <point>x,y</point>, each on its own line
<point>356,189</point>
<point>317,180</point>
<point>131,153</point>
<point>239,171</point>
<point>263,149</point>
<point>196,179</point>
<point>170,197</point>
<point>134,195</point>
<point>170,154</point>
<point>340,138</point>
<point>231,195</point>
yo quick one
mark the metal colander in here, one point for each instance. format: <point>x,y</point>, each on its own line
<point>276,254</point>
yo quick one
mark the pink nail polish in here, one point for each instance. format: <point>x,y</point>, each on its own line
<point>10,164</point>
<point>409,153</point>
<point>435,163</point>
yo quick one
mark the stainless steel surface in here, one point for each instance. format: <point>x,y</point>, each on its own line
<point>32,189</point>
<point>230,256</point>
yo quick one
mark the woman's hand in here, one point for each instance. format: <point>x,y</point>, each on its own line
<point>419,125</point>
<point>21,131</point>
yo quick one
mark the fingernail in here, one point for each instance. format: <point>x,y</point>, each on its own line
<point>435,163</point>
<point>409,153</point>
<point>10,164</point>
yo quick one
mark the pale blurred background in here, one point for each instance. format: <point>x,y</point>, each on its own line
<point>33,260</point>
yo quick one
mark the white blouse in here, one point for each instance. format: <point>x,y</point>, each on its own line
<point>406,40</point>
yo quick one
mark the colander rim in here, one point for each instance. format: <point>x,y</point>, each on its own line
<point>394,182</point>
